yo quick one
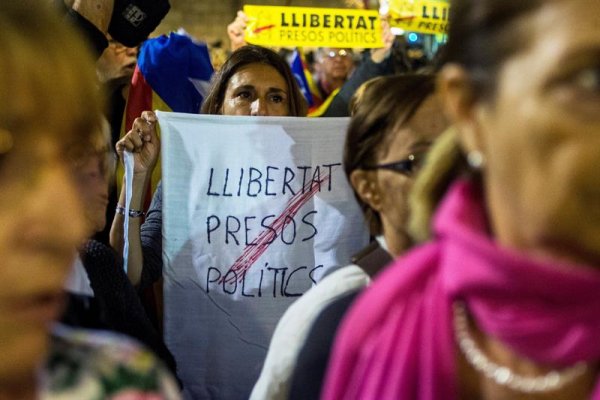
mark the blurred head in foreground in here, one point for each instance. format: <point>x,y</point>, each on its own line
<point>53,106</point>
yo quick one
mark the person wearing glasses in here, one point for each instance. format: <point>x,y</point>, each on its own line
<point>332,68</point>
<point>116,64</point>
<point>336,74</point>
<point>332,65</point>
<point>374,63</point>
<point>395,120</point>
<point>49,113</point>
<point>100,295</point>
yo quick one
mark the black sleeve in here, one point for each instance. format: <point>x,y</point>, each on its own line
<point>365,71</point>
<point>121,308</point>
<point>309,373</point>
<point>151,237</point>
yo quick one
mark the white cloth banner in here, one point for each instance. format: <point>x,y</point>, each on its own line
<point>256,211</point>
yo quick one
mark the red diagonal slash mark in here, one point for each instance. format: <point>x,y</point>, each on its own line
<point>263,28</point>
<point>264,239</point>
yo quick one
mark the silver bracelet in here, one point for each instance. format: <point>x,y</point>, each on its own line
<point>132,213</point>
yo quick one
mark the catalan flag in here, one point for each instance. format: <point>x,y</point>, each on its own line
<point>302,76</point>
<point>172,74</point>
<point>316,105</point>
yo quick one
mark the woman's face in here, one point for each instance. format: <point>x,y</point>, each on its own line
<point>257,90</point>
<point>41,223</point>
<point>540,136</point>
<point>391,188</point>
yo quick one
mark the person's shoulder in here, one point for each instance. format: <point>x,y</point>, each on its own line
<point>407,275</point>
<point>405,284</point>
<point>342,280</point>
<point>98,364</point>
<point>333,285</point>
<point>299,316</point>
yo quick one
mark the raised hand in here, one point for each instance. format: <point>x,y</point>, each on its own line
<point>235,30</point>
<point>143,142</point>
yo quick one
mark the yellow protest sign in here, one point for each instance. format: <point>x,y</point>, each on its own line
<point>312,27</point>
<point>424,16</point>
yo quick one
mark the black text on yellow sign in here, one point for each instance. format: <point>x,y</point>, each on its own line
<point>313,27</point>
<point>424,16</point>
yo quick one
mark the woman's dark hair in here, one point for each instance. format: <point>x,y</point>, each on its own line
<point>384,105</point>
<point>247,55</point>
<point>483,34</point>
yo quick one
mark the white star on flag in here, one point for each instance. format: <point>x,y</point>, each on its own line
<point>200,85</point>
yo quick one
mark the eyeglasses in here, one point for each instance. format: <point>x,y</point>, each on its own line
<point>341,53</point>
<point>407,167</point>
<point>106,157</point>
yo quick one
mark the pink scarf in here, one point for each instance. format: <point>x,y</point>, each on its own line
<point>397,341</point>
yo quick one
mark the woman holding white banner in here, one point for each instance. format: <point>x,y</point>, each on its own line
<point>100,296</point>
<point>254,81</point>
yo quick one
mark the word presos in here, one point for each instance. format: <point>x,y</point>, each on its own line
<point>237,230</point>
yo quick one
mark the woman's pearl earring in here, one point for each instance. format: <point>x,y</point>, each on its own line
<point>475,159</point>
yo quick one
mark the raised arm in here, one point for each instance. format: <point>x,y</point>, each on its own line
<point>142,141</point>
<point>235,31</point>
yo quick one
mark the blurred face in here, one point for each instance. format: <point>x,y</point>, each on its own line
<point>257,90</point>
<point>92,180</point>
<point>335,64</point>
<point>41,223</point>
<point>412,139</point>
<point>388,189</point>
<point>117,63</point>
<point>541,137</point>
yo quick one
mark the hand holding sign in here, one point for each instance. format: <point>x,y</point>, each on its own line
<point>424,16</point>
<point>316,27</point>
<point>142,140</point>
<point>235,30</point>
<point>378,55</point>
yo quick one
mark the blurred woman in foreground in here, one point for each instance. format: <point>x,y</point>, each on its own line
<point>48,111</point>
<point>503,302</point>
<point>100,295</point>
